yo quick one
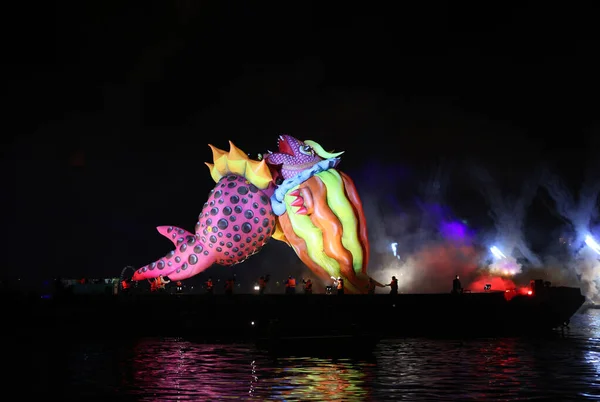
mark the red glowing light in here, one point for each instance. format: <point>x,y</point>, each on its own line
<point>510,293</point>
<point>497,282</point>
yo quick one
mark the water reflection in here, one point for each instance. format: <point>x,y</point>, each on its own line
<point>562,367</point>
<point>175,368</point>
<point>591,331</point>
<point>559,368</point>
<point>307,379</point>
<point>491,369</point>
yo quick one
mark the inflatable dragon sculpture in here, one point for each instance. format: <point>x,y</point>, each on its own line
<point>296,196</point>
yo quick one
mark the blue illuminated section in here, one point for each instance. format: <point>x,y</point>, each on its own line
<point>454,230</point>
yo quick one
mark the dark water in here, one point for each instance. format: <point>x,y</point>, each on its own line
<point>559,368</point>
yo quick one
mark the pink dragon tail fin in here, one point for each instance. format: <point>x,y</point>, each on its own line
<point>189,258</point>
<point>175,234</point>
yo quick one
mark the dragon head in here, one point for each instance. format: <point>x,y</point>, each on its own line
<point>295,156</point>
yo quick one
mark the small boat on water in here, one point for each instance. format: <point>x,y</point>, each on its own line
<point>308,319</point>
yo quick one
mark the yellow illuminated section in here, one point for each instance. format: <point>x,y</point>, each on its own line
<point>324,381</point>
<point>237,162</point>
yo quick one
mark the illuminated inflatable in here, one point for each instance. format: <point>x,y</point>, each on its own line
<point>295,195</point>
<point>320,212</point>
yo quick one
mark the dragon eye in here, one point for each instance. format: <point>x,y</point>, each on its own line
<point>306,150</point>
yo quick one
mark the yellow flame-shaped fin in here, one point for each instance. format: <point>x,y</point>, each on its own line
<point>219,159</point>
<point>235,153</point>
<point>321,152</point>
<point>216,152</point>
<point>279,235</point>
<point>214,172</point>
<point>258,173</point>
<point>237,162</point>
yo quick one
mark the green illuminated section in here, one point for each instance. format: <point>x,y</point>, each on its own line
<point>341,207</point>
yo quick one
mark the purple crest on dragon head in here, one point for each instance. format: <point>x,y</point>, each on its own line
<point>293,157</point>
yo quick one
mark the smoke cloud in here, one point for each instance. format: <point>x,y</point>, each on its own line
<point>580,215</point>
<point>508,213</point>
<point>420,242</point>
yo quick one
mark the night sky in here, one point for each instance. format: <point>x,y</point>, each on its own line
<point>111,107</point>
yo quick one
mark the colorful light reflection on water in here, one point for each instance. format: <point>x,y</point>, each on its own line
<point>187,371</point>
<point>556,368</point>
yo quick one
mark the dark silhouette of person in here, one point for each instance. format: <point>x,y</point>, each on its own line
<point>209,285</point>
<point>340,286</point>
<point>371,286</point>
<point>307,286</point>
<point>229,283</point>
<point>393,286</point>
<point>456,285</point>
<point>290,285</point>
<point>262,285</point>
